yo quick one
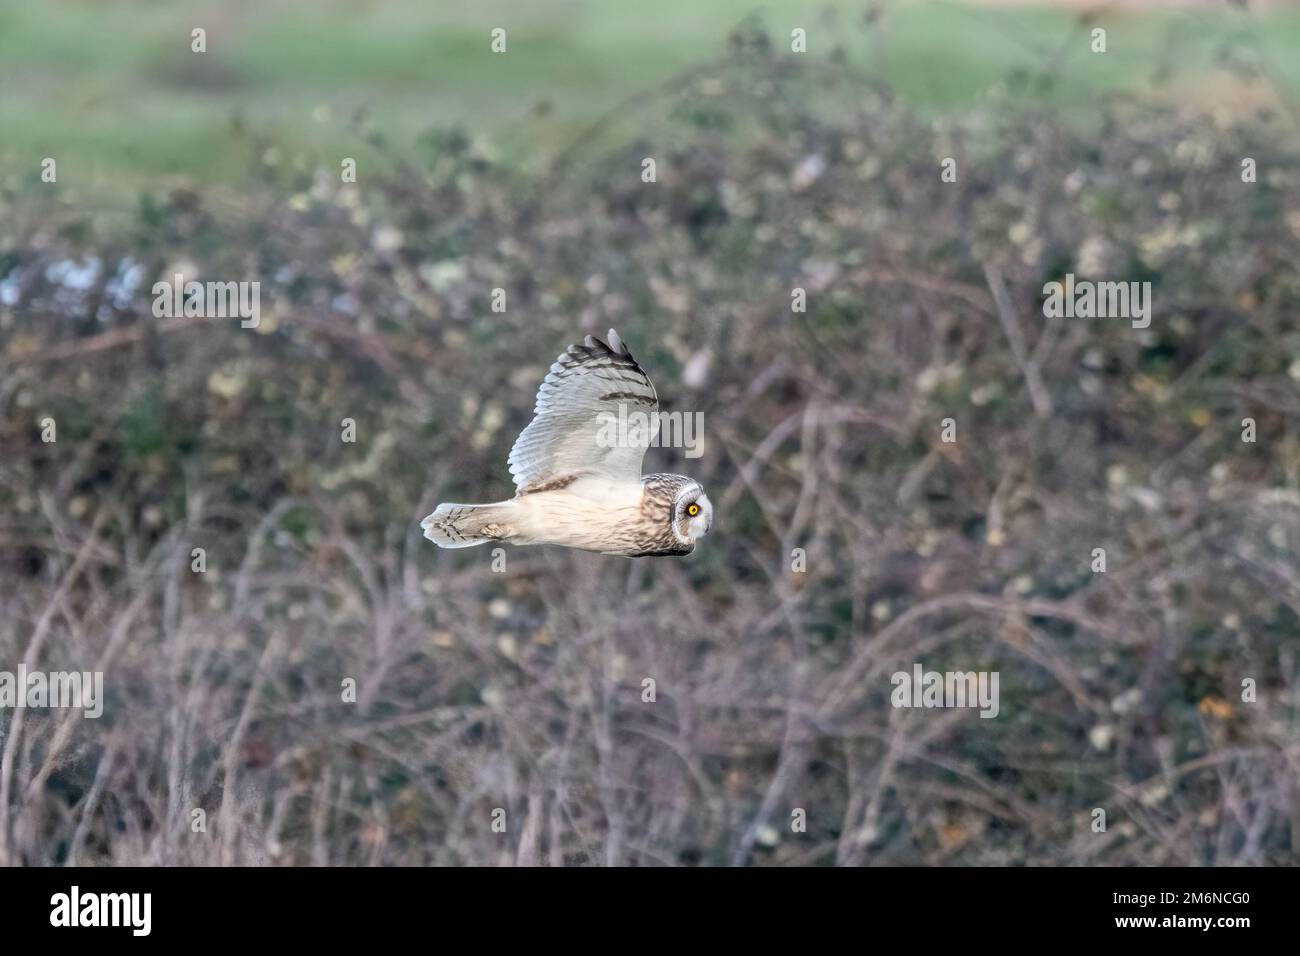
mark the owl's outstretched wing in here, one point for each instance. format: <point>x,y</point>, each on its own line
<point>575,432</point>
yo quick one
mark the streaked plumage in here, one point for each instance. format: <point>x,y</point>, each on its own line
<point>573,486</point>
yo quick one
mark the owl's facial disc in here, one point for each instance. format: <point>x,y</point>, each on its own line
<point>694,515</point>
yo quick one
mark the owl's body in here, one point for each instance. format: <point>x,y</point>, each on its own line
<point>579,481</point>
<point>591,515</point>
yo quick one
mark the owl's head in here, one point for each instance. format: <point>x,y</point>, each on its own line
<point>692,514</point>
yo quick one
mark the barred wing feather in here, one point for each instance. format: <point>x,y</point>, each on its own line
<point>589,390</point>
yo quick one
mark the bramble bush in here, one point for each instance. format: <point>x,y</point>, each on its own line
<point>522,690</point>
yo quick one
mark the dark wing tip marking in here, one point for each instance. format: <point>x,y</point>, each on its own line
<point>615,346</point>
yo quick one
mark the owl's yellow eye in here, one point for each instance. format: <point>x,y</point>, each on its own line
<point>692,510</point>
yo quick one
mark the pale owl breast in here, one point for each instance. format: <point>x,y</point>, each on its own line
<point>611,526</point>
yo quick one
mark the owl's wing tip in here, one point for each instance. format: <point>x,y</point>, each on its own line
<point>616,345</point>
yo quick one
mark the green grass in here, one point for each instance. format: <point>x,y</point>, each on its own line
<point>113,92</point>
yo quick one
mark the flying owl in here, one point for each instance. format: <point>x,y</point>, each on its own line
<point>574,485</point>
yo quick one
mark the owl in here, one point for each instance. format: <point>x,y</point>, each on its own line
<point>577,469</point>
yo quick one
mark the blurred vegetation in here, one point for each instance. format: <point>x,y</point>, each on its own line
<point>112,91</point>
<point>522,690</point>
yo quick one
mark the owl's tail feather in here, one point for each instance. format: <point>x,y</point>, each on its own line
<point>463,526</point>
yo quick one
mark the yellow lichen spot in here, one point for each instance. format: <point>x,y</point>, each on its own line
<point>1146,385</point>
<point>22,344</point>
<point>1215,707</point>
<point>953,835</point>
